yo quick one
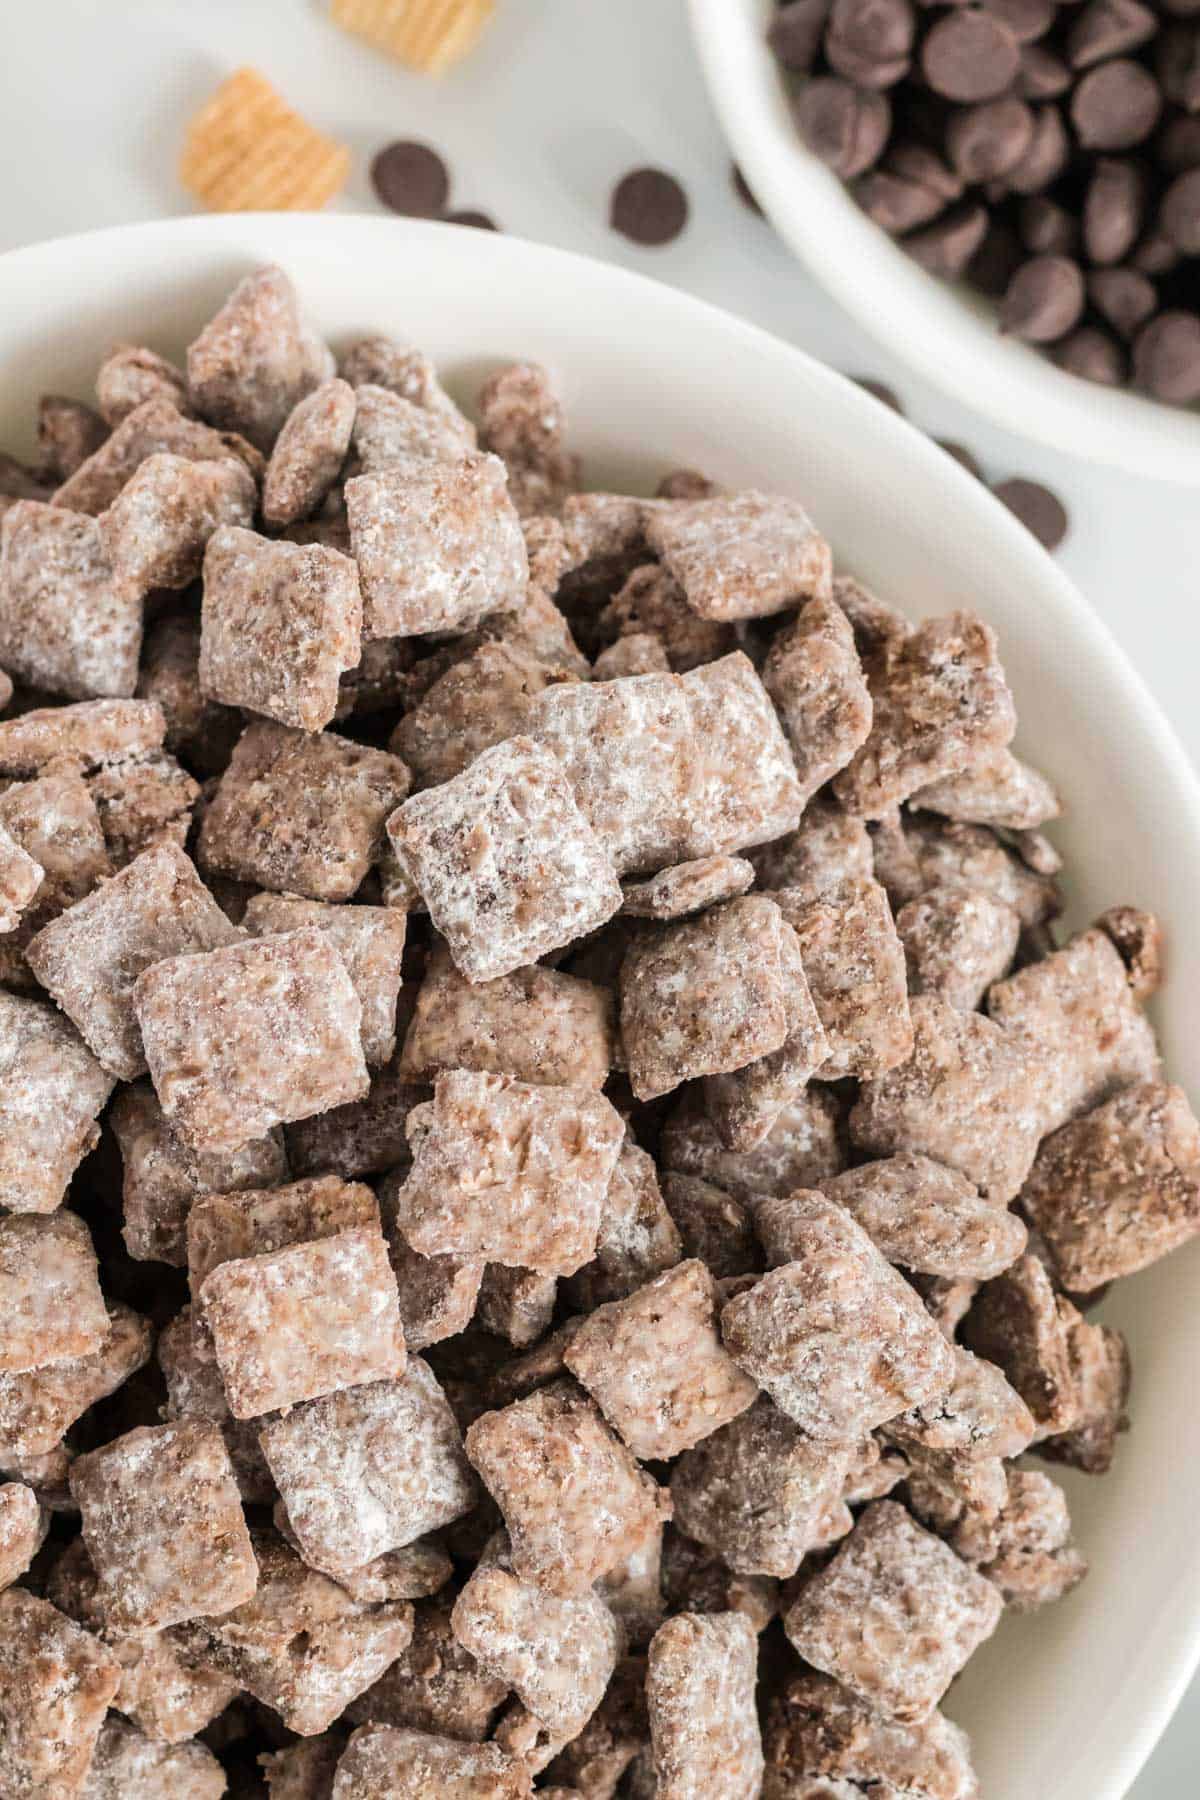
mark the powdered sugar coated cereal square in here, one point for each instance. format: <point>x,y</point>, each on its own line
<point>255,359</point>
<point>51,1093</point>
<point>156,529</point>
<point>703,1723</point>
<point>741,556</point>
<point>51,1307</point>
<point>308,453</point>
<point>69,620</point>
<point>388,1762</point>
<point>854,965</point>
<point>56,1683</point>
<point>370,941</point>
<point>813,675</point>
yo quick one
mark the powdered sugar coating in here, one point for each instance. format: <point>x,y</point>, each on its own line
<point>195,1391</point>
<point>854,964</point>
<point>637,1238</point>
<point>801,1149</point>
<point>822,1743</point>
<point>369,1469</point>
<point>835,1336</point>
<point>391,428</point>
<point>957,942</point>
<point>308,453</point>
<point>69,621</point>
<point>51,1307</point>
<point>689,887</point>
<point>300,814</point>
<point>510,1172</point>
<point>380,362</point>
<point>51,1094</point>
<point>307,1320</point>
<point>669,768</point>
<point>998,789</point>
<point>741,556</point>
<point>223,1227</point>
<point>56,1683</point>
<point>505,860</point>
<point>521,419</point>
<point>131,375</point>
<point>574,1501</point>
<point>814,677</point>
<point>535,1024</point>
<point>155,531</point>
<point>370,941</point>
<point>940,703</point>
<point>1025,1550</point>
<point>153,428</point>
<point>478,702</point>
<point>385,1762</point>
<point>22,1528</point>
<point>758,1491</point>
<point>704,995</point>
<point>928,1218</point>
<point>162,1521</point>
<point>972,856</point>
<point>971,1095</point>
<point>246,1037</point>
<point>91,731</point>
<point>128,1766</point>
<point>255,359</point>
<point>895,1615</point>
<point>438,545</point>
<point>700,1693</point>
<point>20,878</point>
<point>38,1407</point>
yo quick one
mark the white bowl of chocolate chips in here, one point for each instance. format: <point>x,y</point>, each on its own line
<point>1072,247</point>
<point>1064,1698</point>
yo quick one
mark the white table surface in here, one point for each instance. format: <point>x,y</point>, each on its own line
<point>561,98</point>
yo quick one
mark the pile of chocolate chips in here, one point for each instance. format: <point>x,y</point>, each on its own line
<point>1047,154</point>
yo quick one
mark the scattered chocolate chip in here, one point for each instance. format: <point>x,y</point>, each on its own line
<point>1105,28</point>
<point>411,178</point>
<point>1042,75</point>
<point>1038,509</point>
<point>1179,216</point>
<point>879,390</point>
<point>970,56</point>
<point>1112,210</point>
<point>846,127</point>
<point>1092,354</point>
<point>468,215</point>
<point>1026,19</point>
<point>870,41</point>
<point>1166,358</point>
<point>1044,300</point>
<point>795,33</point>
<point>1115,106</point>
<point>964,457</point>
<point>649,207</point>
<point>1047,228</point>
<point>742,189</point>
<point>946,247</point>
<point>1124,297</point>
<point>986,141</point>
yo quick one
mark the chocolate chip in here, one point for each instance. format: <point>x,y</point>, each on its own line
<point>411,178</point>
<point>997,259</point>
<point>1026,19</point>
<point>946,247</point>
<point>1124,297</point>
<point>1044,300</point>
<point>896,204</point>
<point>1179,144</point>
<point>870,41</point>
<point>1155,255</point>
<point>648,206</point>
<point>1179,215</point>
<point>1042,75</point>
<point>1115,106</point>
<point>1093,355</point>
<point>879,390</point>
<point>1105,28</point>
<point>1166,358</point>
<point>469,215</point>
<point>988,140</point>
<point>970,56</point>
<point>846,127</point>
<point>1112,210</point>
<point>917,163</point>
<point>1047,156</point>
<point>1177,60</point>
<point>742,189</point>
<point>1047,228</point>
<point>795,33</point>
<point>964,457</point>
<point>1038,509</point>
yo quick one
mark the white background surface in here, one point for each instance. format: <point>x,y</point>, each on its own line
<point>560,99</point>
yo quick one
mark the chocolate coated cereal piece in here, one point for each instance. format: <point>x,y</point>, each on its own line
<point>713,1226</point>
<point>195,1391</point>
<point>435,1685</point>
<point>557,1653</point>
<point>90,956</point>
<point>971,1096</point>
<point>655,1365</point>
<point>224,1226</point>
<point>38,1407</point>
<point>1138,936</point>
<point>957,942</point>
<point>979,1418</point>
<point>300,814</point>
<point>1018,1322</point>
<point>280,624</point>
<point>689,887</point>
<point>700,1693</point>
<point>695,1580</point>
<point>477,703</point>
<point>56,1683</point>
<point>55,820</point>
<point>300,1644</point>
<point>143,802</point>
<point>639,653</point>
<point>705,995</point>
<point>741,556</point>
<point>1025,1550</point>
<point>822,1743</point>
<point>51,1307</point>
<point>800,1150</point>
<point>516,1304</point>
<point>596,1759</point>
<point>162,1520</point>
<point>155,531</point>
<point>854,964</point>
<point>941,703</point>
<point>813,675</point>
<point>521,420</point>
<point>575,1503</point>
<point>758,1491</point>
<point>637,1240</point>
<point>305,1769</point>
<point>923,1216</point>
<point>308,453</point>
<point>22,1528</point>
<point>893,1584</point>
<point>828,847</point>
<point>543,1157</point>
<point>844,125</point>
<point>1075,1012</point>
<point>505,860</point>
<point>1100,1366</point>
<point>364,1137</point>
<point>437,1294</point>
<point>91,731</point>
<point>130,375</point>
<point>155,426</point>
<point>1114,1190</point>
<point>389,428</point>
<point>247,1037</point>
<point>369,1470</point>
<point>835,1336</point>
<point>69,621</point>
<point>385,1762</point>
<point>379,362</point>
<point>303,1321</point>
<point>974,856</point>
<point>998,789</point>
<point>255,359</point>
<point>652,601</point>
<point>370,941</point>
<point>128,1766</point>
<point>169,676</point>
<point>20,878</point>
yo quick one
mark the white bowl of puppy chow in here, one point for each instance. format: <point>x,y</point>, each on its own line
<point>590,1014</point>
<point>1005,196</point>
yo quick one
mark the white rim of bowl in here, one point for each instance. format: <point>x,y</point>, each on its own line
<point>267,236</point>
<point>946,335</point>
